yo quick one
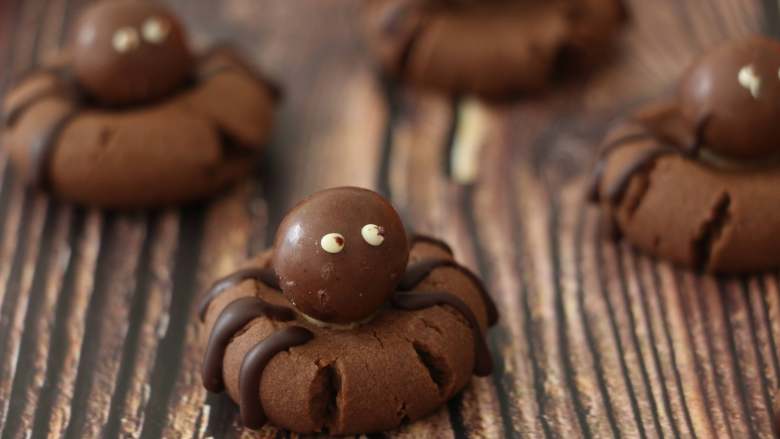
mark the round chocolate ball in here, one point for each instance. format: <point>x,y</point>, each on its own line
<point>340,253</point>
<point>736,90</point>
<point>130,51</point>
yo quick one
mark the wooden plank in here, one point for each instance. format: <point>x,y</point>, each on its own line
<point>692,400</point>
<point>18,294</point>
<point>38,325</point>
<point>36,301</point>
<point>106,326</point>
<point>53,413</point>
<point>14,221</point>
<point>149,319</point>
<point>219,254</point>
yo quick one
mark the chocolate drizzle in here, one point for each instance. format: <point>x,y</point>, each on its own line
<point>15,113</point>
<point>483,363</point>
<point>698,140</point>
<point>616,190</point>
<point>42,147</point>
<point>237,66</point>
<point>64,87</point>
<point>234,317</point>
<point>393,17</point>
<point>62,72</point>
<point>253,365</point>
<point>598,171</point>
<point>415,238</point>
<point>206,74</point>
<point>417,272</point>
<point>264,275</point>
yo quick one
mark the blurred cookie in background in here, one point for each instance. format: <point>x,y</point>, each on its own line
<point>492,48</point>
<point>130,117</point>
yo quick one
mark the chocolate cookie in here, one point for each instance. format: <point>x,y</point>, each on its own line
<point>353,374</point>
<point>694,179</point>
<point>130,118</point>
<point>491,47</point>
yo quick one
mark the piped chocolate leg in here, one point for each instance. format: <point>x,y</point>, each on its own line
<point>598,171</point>
<point>236,63</point>
<point>264,275</point>
<point>255,361</point>
<point>14,113</point>
<point>234,317</point>
<point>42,148</point>
<point>416,237</point>
<point>617,189</point>
<point>416,273</point>
<point>698,141</point>
<point>483,363</point>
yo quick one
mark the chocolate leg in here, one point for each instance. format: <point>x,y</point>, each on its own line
<point>234,317</point>
<point>264,275</point>
<point>698,141</point>
<point>416,273</point>
<point>255,361</point>
<point>617,189</point>
<point>483,363</point>
<point>236,64</point>
<point>594,195</point>
<point>41,149</point>
<point>64,88</point>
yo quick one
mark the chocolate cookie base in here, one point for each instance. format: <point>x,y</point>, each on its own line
<point>181,148</point>
<point>704,213</point>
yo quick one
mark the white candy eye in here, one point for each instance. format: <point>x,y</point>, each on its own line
<point>125,39</point>
<point>332,243</point>
<point>155,30</point>
<point>748,79</point>
<point>373,234</point>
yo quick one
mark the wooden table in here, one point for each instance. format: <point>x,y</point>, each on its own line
<point>97,328</point>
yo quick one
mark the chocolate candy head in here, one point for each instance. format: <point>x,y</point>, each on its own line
<point>737,86</point>
<point>340,253</point>
<point>130,51</point>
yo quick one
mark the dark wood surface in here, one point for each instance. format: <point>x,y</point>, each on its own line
<point>97,328</point>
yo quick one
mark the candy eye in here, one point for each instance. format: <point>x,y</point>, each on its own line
<point>373,234</point>
<point>125,39</point>
<point>155,30</point>
<point>748,79</point>
<point>332,243</point>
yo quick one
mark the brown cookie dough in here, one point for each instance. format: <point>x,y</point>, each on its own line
<point>491,48</point>
<point>123,144</point>
<point>416,351</point>
<point>693,189</point>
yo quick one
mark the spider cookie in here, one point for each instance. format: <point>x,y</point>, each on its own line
<point>695,179</point>
<point>346,326</point>
<point>131,117</point>
<point>489,47</point>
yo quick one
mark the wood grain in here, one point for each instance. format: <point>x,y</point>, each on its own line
<point>98,336</point>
